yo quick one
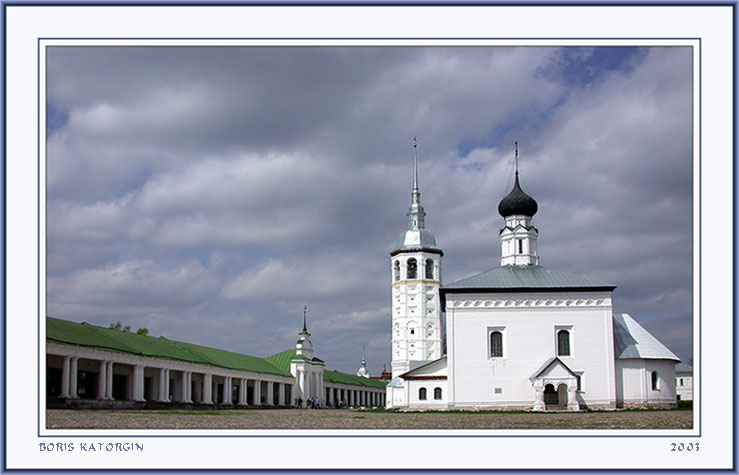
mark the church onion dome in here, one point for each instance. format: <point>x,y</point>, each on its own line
<point>517,203</point>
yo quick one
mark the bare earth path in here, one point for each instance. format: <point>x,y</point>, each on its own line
<point>351,419</point>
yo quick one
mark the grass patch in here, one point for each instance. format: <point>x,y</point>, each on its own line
<point>681,407</point>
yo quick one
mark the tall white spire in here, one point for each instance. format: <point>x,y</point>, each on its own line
<point>416,213</point>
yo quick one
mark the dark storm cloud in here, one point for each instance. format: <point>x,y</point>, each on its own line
<point>208,193</point>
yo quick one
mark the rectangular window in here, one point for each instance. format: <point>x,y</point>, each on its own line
<point>520,246</point>
<point>563,340</point>
<point>496,342</point>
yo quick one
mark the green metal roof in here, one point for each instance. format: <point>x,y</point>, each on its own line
<point>84,334</point>
<point>282,360</point>
<point>508,278</point>
<point>343,378</point>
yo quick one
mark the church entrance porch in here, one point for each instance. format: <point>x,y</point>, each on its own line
<point>555,385</point>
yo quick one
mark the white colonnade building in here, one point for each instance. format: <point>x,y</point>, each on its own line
<point>87,365</point>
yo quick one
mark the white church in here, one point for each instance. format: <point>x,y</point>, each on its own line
<point>519,336</point>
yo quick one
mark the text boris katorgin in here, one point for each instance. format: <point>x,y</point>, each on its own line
<point>91,447</point>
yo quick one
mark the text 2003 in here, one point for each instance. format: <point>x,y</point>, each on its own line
<point>689,447</point>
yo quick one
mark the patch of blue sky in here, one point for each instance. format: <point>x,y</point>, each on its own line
<point>578,67</point>
<point>55,119</point>
<point>582,66</point>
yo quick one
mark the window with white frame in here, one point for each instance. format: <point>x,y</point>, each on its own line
<point>496,342</point>
<point>563,338</point>
<point>422,394</point>
<point>563,343</point>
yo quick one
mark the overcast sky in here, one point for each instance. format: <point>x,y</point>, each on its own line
<point>209,193</point>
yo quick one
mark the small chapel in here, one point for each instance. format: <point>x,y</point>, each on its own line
<point>519,336</point>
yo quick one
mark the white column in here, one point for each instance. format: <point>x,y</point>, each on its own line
<point>227,391</point>
<point>66,362</point>
<point>280,393</point>
<point>166,385</point>
<point>257,392</point>
<point>207,388</point>
<point>302,388</point>
<point>73,377</point>
<point>242,391</point>
<point>161,386</point>
<point>138,383</point>
<point>351,397</point>
<point>539,399</point>
<point>330,401</point>
<point>102,379</point>
<point>270,400</point>
<point>572,403</point>
<point>188,386</point>
<point>109,381</point>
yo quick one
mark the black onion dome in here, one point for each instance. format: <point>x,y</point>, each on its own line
<point>517,202</point>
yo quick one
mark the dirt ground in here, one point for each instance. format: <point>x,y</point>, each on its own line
<point>354,419</point>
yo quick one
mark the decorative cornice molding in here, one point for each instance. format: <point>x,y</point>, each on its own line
<point>527,302</point>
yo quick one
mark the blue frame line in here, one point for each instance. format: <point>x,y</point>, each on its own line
<point>469,39</point>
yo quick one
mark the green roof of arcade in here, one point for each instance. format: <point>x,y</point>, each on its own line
<point>84,334</point>
<point>91,336</point>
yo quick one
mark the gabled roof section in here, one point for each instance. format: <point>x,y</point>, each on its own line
<point>91,336</point>
<point>551,362</point>
<point>282,360</point>
<point>351,379</point>
<point>631,340</point>
<point>424,369</point>
<point>520,278</point>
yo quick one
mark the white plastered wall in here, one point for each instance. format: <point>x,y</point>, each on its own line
<point>529,322</point>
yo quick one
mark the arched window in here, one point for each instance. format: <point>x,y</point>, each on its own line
<point>437,393</point>
<point>563,343</point>
<point>655,381</point>
<point>412,269</point>
<point>396,271</point>
<point>429,269</point>
<point>496,344</point>
<point>422,394</point>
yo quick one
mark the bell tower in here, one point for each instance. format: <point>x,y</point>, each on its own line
<point>518,236</point>
<point>415,271</point>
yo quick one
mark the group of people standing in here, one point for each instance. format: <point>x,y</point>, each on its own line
<point>312,403</point>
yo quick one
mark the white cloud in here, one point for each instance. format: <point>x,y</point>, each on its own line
<point>285,174</point>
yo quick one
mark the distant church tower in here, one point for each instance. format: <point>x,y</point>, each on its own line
<point>416,279</point>
<point>518,236</point>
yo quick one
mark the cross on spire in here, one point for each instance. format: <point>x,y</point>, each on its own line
<point>516,146</point>
<point>305,309</point>
<point>415,165</point>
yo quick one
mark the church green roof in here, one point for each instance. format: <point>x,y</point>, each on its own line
<point>525,278</point>
<point>84,334</point>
